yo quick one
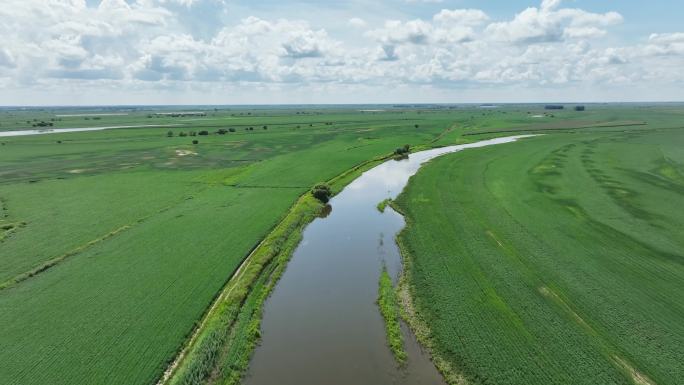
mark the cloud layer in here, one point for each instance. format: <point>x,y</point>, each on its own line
<point>147,46</point>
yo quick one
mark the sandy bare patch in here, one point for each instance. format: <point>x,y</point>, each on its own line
<point>185,152</point>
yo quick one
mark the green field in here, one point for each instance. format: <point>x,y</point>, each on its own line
<point>554,260</point>
<point>114,243</point>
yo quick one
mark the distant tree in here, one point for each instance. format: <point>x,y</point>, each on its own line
<point>416,126</point>
<point>251,128</point>
<point>203,133</point>
<point>265,127</point>
<point>195,141</point>
<point>321,192</point>
<point>231,129</point>
<point>169,134</point>
<point>182,134</point>
<point>222,131</point>
<point>58,142</point>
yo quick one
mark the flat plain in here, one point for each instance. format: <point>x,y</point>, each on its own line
<point>114,243</point>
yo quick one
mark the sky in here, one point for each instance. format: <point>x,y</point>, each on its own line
<point>97,52</point>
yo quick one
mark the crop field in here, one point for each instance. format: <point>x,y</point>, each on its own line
<point>557,259</point>
<point>114,243</point>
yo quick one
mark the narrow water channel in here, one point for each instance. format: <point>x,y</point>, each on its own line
<point>321,325</point>
<point>45,131</point>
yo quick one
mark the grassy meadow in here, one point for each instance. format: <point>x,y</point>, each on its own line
<point>554,260</point>
<point>114,243</point>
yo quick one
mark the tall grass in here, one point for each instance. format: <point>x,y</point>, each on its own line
<point>389,308</point>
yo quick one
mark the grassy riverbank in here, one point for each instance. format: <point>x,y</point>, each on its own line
<point>389,308</point>
<point>220,351</point>
<point>553,260</point>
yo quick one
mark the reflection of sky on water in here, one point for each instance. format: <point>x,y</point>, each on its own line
<point>325,303</point>
<point>388,179</point>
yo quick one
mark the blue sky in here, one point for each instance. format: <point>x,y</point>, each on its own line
<point>253,52</point>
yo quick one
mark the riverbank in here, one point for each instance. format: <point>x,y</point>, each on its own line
<point>550,249</point>
<point>218,350</point>
<point>389,308</point>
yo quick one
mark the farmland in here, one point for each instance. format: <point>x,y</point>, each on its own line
<point>114,243</point>
<point>554,260</point>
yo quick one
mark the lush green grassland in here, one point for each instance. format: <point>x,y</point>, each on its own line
<point>114,243</point>
<point>554,260</point>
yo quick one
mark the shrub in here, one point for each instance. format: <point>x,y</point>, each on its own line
<point>183,134</point>
<point>402,150</point>
<point>193,133</point>
<point>204,133</point>
<point>169,134</point>
<point>321,192</point>
<point>195,141</point>
<point>231,129</point>
<point>222,131</point>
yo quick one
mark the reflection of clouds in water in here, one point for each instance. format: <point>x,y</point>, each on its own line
<point>387,176</point>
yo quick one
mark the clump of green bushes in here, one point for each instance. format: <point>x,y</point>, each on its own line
<point>322,192</point>
<point>402,152</point>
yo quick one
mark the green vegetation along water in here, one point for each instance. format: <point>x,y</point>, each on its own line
<point>147,229</point>
<point>326,303</point>
<point>553,261</point>
<point>114,243</point>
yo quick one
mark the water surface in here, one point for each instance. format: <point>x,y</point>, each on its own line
<point>321,325</point>
<point>43,131</point>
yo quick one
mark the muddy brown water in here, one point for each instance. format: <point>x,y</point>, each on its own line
<point>321,325</point>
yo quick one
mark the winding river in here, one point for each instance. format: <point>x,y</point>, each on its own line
<point>321,324</point>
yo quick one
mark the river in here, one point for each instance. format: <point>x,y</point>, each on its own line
<point>321,325</point>
<point>44,131</point>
